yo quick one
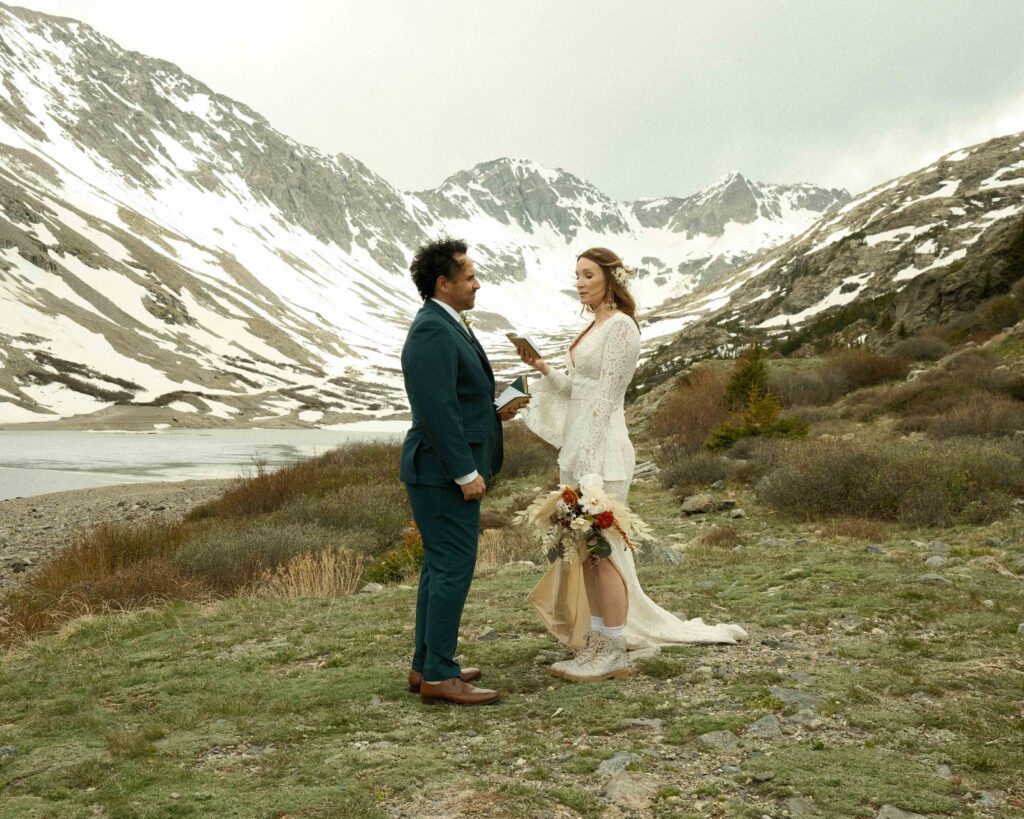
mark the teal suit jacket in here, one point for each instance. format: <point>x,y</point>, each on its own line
<point>450,385</point>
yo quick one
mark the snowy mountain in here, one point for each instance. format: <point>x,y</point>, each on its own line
<point>924,249</point>
<point>162,245</point>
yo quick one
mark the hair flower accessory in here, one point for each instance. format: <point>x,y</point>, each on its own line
<point>622,275</point>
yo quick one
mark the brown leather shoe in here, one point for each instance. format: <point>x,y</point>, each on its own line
<point>456,692</point>
<point>415,678</point>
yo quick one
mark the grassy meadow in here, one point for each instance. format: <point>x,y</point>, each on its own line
<point>228,665</point>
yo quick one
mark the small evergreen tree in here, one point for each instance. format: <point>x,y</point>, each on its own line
<point>749,375</point>
<point>759,417</point>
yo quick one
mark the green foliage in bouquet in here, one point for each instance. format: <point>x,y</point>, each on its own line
<point>760,417</point>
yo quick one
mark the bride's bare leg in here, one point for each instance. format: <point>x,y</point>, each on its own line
<point>610,590</point>
<point>593,594</point>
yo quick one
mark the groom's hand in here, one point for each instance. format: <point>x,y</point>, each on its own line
<point>474,490</point>
<point>507,414</point>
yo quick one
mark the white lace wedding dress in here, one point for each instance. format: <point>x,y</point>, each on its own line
<point>580,411</point>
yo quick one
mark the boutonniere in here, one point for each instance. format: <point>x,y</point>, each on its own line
<point>464,314</point>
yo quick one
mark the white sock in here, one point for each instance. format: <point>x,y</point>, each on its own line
<point>615,631</point>
<point>597,624</point>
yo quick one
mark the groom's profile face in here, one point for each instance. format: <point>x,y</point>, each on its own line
<point>460,292</point>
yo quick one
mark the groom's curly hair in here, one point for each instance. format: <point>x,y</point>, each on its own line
<point>435,259</point>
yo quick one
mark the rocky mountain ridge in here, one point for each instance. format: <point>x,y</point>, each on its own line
<point>163,245</point>
<point>920,250</point>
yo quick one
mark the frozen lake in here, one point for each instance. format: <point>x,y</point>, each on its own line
<point>34,463</point>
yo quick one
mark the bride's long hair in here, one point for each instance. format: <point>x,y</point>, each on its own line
<point>608,261</point>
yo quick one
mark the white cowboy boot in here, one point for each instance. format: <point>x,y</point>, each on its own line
<point>581,656</point>
<point>608,663</point>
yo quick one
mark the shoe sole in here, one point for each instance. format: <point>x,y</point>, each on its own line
<point>621,674</point>
<point>416,689</point>
<point>442,701</point>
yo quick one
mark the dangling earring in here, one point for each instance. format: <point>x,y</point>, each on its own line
<point>610,304</point>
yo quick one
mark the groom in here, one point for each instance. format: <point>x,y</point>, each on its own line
<point>452,450</point>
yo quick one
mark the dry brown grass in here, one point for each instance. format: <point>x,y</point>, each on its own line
<point>720,537</point>
<point>347,498</point>
<point>859,528</point>
<point>329,573</point>
<point>232,556</point>
<point>112,567</point>
<point>500,546</point>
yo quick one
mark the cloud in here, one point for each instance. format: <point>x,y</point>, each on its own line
<point>905,148</point>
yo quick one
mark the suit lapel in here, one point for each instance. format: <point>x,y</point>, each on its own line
<point>483,356</point>
<point>465,335</point>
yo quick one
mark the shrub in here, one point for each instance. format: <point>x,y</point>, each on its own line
<point>760,417</point>
<point>851,370</point>
<point>266,491</point>
<point>913,483</point>
<point>757,456</point>
<point>44,605</point>
<point>232,556</point>
<point>748,376</point>
<point>921,348</point>
<point>381,511</point>
<point>801,388</point>
<point>112,566</point>
<point>980,415</point>
<point>1017,291</point>
<point>690,472</point>
<point>527,455</point>
<point>687,415</point>
<point>401,563</point>
<point>1000,312</point>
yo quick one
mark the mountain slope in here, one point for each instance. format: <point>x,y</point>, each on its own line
<point>919,250</point>
<point>162,244</point>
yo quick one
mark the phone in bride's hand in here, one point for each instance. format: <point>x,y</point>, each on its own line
<point>524,344</point>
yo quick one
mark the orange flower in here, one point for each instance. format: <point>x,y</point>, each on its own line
<point>604,520</point>
<point>570,497</point>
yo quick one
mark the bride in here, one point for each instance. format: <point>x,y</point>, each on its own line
<point>580,411</point>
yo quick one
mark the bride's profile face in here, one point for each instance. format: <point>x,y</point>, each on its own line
<point>590,282</point>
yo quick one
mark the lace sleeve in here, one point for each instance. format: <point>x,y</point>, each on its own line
<point>545,415</point>
<point>618,363</point>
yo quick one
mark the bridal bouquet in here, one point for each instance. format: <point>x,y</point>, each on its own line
<point>583,517</point>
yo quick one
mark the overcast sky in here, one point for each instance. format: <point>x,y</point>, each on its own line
<point>643,98</point>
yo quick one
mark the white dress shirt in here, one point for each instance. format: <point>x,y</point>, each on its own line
<point>472,476</point>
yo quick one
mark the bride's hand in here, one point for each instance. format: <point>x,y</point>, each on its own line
<point>537,363</point>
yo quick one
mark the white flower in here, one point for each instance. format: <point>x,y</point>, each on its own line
<point>592,497</point>
<point>591,485</point>
<point>562,508</point>
<point>580,524</point>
